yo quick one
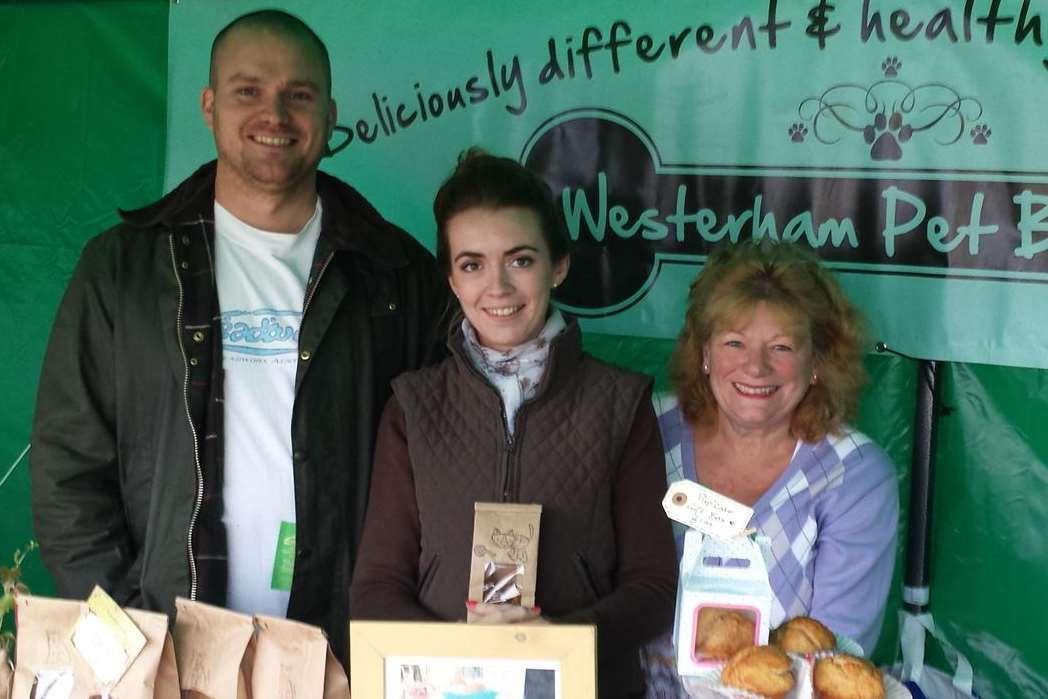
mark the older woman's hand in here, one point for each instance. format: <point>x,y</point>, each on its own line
<point>483,613</point>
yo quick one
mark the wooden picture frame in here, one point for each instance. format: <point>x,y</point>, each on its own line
<point>378,647</point>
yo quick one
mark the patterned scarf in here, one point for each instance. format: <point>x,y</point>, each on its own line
<point>515,373</point>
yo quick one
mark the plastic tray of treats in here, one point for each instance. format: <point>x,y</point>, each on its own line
<point>816,664</point>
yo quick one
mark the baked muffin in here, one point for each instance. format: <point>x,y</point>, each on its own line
<point>762,669</point>
<point>847,677</point>
<point>721,633</point>
<point>803,635</point>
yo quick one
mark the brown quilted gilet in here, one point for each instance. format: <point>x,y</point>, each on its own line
<point>567,443</point>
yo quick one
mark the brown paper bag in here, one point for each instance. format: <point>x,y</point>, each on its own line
<point>7,676</point>
<point>45,629</point>
<point>213,647</point>
<point>155,667</point>
<point>336,683</point>
<point>290,660</point>
<point>505,552</point>
<point>44,643</point>
<point>167,685</point>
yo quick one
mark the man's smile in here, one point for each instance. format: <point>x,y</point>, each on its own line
<point>278,141</point>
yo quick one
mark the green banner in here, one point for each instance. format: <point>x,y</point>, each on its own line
<point>904,142</point>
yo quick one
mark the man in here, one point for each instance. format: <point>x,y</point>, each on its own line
<point>217,368</point>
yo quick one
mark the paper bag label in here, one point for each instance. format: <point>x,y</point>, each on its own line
<point>705,510</point>
<point>100,649</point>
<point>53,684</point>
<point>284,559</point>
<point>117,621</point>
<point>107,638</point>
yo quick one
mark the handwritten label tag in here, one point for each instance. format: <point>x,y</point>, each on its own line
<point>107,638</point>
<point>53,684</point>
<point>707,511</point>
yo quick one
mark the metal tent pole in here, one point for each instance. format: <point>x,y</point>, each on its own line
<point>918,535</point>
<point>915,619</point>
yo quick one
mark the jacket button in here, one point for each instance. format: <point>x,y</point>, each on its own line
<point>304,553</point>
<point>185,240</point>
<point>184,265</point>
<point>304,355</point>
<point>193,361</point>
<point>198,336</point>
<point>392,306</point>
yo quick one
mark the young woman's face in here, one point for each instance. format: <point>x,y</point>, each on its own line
<point>502,273</point>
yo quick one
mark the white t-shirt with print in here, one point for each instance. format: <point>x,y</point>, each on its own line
<point>261,286</point>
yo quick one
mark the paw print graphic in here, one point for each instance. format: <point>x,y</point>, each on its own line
<point>891,66</point>
<point>797,132</point>
<point>980,134</point>
<point>885,134</point>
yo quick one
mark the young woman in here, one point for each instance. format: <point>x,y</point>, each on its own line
<point>519,413</point>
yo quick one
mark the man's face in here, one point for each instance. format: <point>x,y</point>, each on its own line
<point>269,111</point>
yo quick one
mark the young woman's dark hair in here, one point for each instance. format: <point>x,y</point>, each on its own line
<point>482,180</point>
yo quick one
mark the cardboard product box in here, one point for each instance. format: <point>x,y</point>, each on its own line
<point>718,574</point>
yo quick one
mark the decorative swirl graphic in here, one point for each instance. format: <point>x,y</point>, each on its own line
<point>890,112</point>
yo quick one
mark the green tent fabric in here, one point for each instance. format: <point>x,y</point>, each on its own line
<point>83,93</point>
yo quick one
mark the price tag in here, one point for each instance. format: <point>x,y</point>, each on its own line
<point>707,511</point>
<point>107,638</point>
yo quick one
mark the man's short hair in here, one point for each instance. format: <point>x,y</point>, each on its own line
<point>278,22</point>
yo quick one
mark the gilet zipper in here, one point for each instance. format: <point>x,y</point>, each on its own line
<point>507,491</point>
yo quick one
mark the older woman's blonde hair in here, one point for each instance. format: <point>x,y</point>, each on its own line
<point>791,281</point>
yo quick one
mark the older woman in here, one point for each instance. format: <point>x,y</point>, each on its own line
<point>519,413</point>
<point>767,370</point>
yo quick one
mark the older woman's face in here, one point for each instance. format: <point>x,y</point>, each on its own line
<point>759,370</point>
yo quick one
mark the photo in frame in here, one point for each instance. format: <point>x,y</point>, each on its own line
<point>442,660</point>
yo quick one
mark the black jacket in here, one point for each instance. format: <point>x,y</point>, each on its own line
<point>127,439</point>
